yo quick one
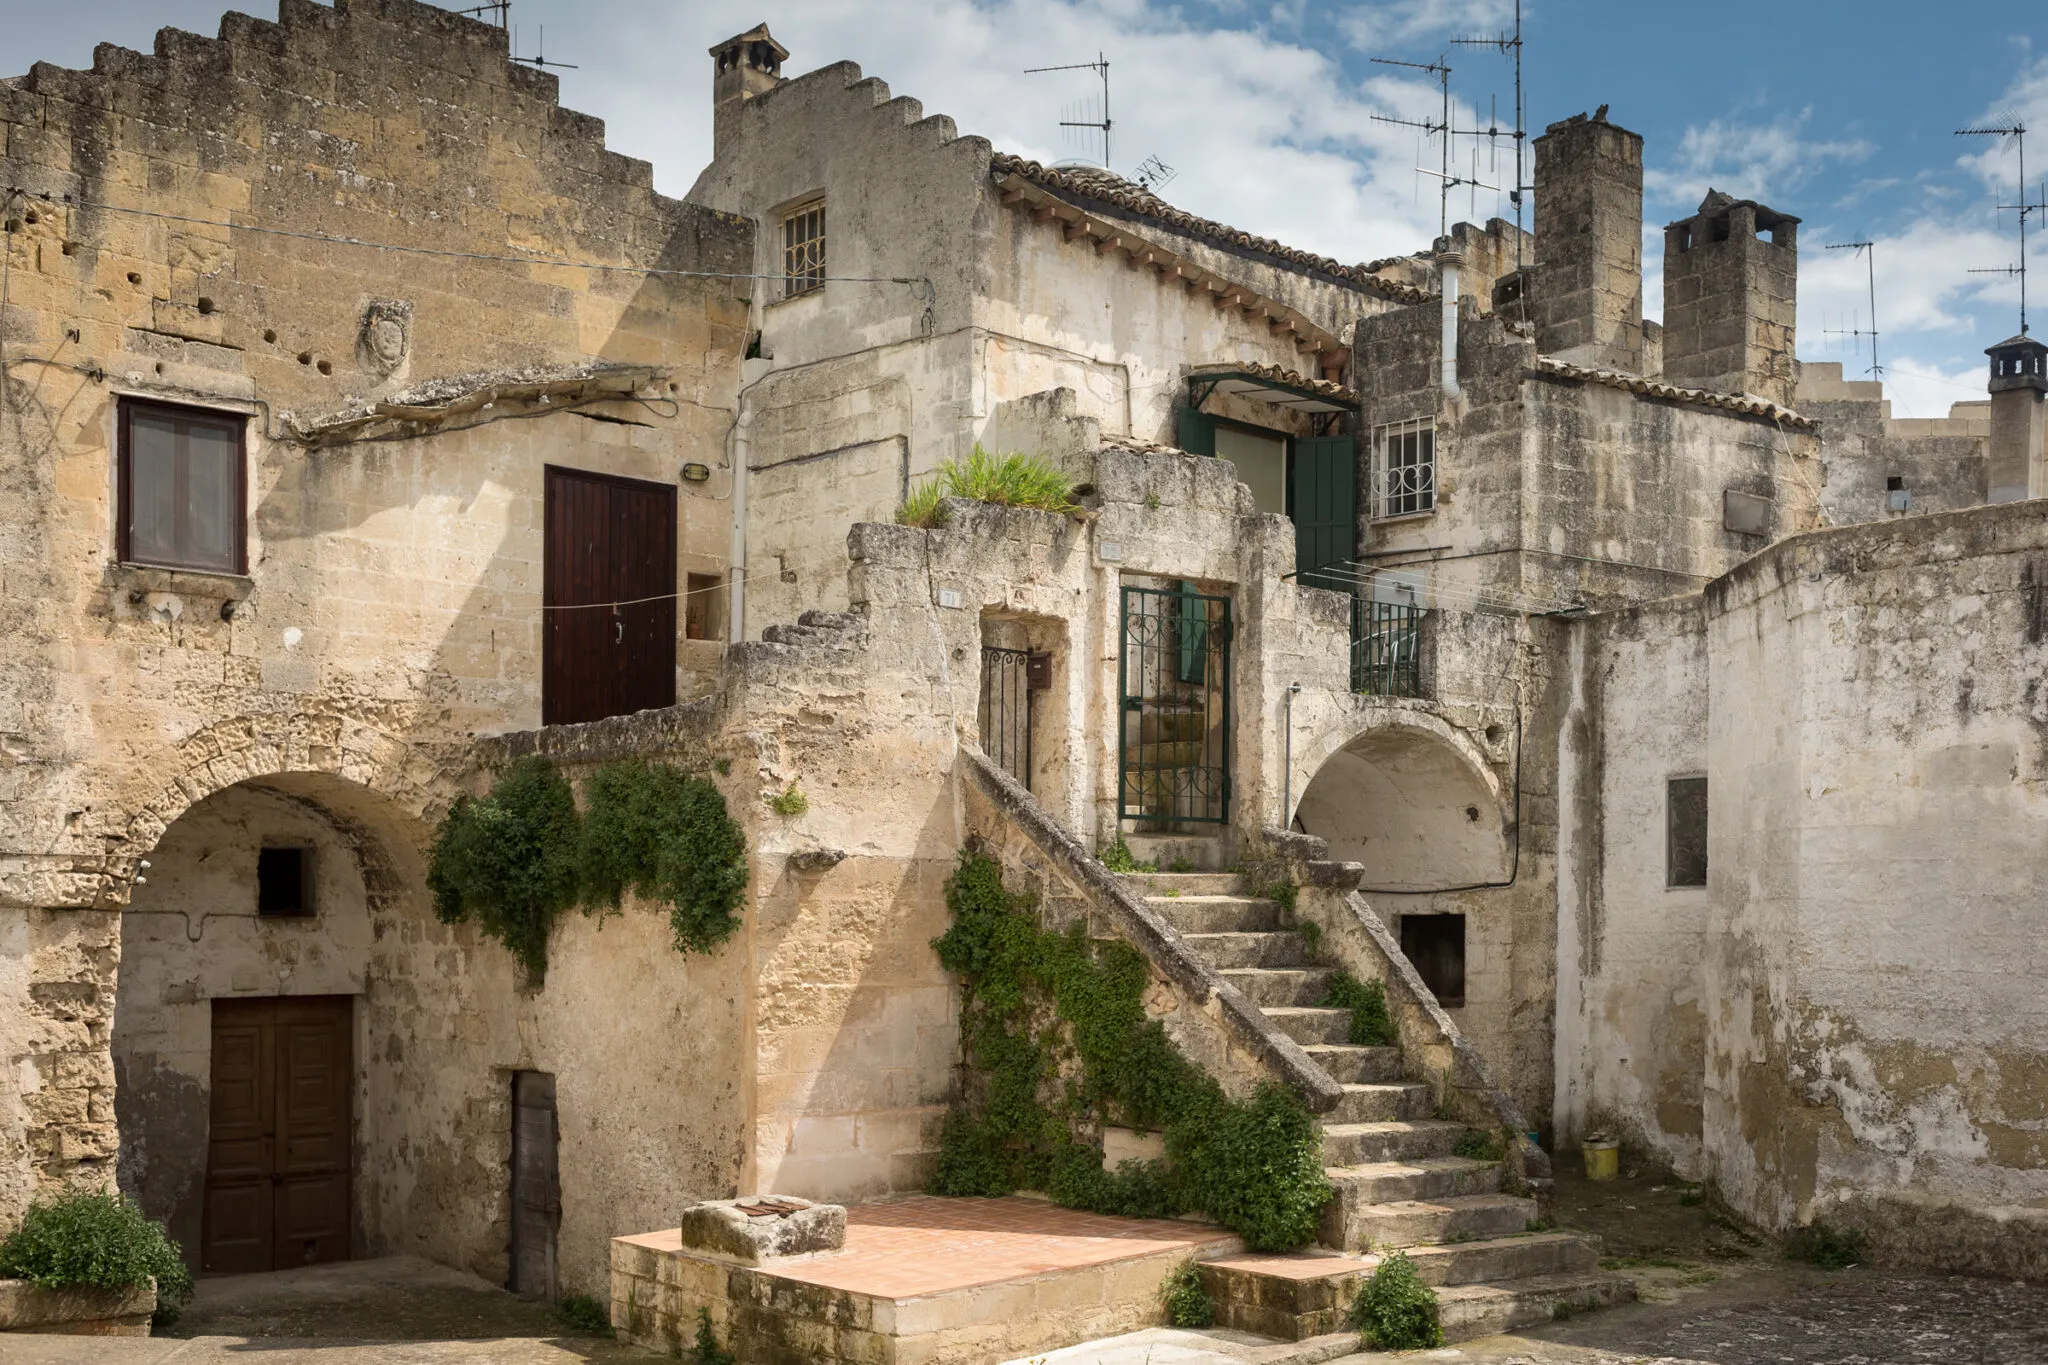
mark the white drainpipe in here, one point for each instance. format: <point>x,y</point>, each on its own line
<point>736,576</point>
<point>1448,262</point>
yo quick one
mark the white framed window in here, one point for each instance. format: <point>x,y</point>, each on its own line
<point>803,249</point>
<point>1404,468</point>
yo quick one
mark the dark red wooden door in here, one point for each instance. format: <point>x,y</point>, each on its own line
<point>609,581</point>
<point>279,1143</point>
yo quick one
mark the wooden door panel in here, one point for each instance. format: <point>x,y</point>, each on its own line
<point>279,1149</point>
<point>608,581</point>
<point>536,1184</point>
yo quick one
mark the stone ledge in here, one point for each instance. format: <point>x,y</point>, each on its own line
<point>79,1310</point>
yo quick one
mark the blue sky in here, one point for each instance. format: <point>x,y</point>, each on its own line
<point>1264,111</point>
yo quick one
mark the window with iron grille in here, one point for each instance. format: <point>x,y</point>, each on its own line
<point>803,249</point>
<point>1404,468</point>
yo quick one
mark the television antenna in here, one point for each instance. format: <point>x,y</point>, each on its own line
<point>1869,251</point>
<point>540,57</point>
<point>1509,44</point>
<point>1099,66</point>
<point>2011,127</point>
<point>1152,173</point>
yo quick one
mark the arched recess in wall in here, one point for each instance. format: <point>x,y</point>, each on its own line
<point>1414,804</point>
<point>242,1042</point>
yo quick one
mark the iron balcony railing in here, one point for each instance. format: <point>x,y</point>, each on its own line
<point>1386,648</point>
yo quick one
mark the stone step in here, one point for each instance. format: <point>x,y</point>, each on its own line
<point>1311,1026</point>
<point>1381,1103</point>
<point>1493,1260</point>
<point>1412,1222</point>
<point>1479,1310</point>
<point>1352,1144</point>
<point>1218,915</point>
<point>1349,1065</point>
<point>1437,1177</point>
<point>1144,884</point>
<point>1195,852</point>
<point>1282,948</point>
<point>1265,986</point>
<point>830,620</point>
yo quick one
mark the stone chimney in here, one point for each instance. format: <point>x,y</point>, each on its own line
<point>2019,420</point>
<point>1731,285</point>
<point>1587,295</point>
<point>742,68</point>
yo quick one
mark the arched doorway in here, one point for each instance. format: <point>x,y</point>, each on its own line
<point>239,1036</point>
<point>1418,808</point>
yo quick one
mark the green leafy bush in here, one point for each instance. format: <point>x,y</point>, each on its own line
<point>509,860</point>
<point>584,1315</point>
<point>514,860</point>
<point>1371,1024</point>
<point>1029,998</point>
<point>1010,480</point>
<point>1830,1248</point>
<point>1117,857</point>
<point>96,1239</point>
<point>1187,1304</point>
<point>1395,1310</point>
<point>665,836</point>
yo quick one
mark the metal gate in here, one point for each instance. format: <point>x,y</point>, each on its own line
<point>1006,710</point>
<point>1173,674</point>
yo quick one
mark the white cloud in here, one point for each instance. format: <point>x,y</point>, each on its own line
<point>1266,134</point>
<point>1768,162</point>
<point>1380,30</point>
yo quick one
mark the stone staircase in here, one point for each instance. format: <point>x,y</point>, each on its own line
<point>1400,1183</point>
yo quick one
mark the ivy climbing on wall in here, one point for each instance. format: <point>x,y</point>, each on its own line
<point>1057,1043</point>
<point>515,859</point>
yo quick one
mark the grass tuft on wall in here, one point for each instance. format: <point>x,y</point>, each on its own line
<point>1008,480</point>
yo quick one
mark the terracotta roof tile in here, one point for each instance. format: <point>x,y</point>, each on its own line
<point>1657,388</point>
<point>1106,187</point>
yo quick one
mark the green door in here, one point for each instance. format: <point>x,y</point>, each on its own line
<point>1325,509</point>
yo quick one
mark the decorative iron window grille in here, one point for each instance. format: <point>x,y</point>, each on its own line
<point>1404,468</point>
<point>1386,648</point>
<point>1173,673</point>
<point>1006,710</point>
<point>803,249</point>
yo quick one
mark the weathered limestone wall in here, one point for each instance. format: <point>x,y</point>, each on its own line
<point>1941,461</point>
<point>1876,1040</point>
<point>866,384</point>
<point>1631,1023</point>
<point>391,608</point>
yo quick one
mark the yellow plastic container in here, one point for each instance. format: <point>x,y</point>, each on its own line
<point>1603,1158</point>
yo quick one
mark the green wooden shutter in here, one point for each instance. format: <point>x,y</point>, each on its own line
<point>1325,508</point>
<point>1196,431</point>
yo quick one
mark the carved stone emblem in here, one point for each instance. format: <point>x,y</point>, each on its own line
<point>386,336</point>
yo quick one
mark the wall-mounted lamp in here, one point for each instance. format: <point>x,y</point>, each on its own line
<point>696,473</point>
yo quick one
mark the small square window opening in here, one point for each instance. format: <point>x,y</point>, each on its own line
<point>803,249</point>
<point>284,882</point>
<point>1685,831</point>
<point>1404,468</point>
<point>704,607</point>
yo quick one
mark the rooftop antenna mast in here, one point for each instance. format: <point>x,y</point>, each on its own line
<point>540,57</point>
<point>1869,250</point>
<point>1099,66</point>
<point>2012,127</point>
<point>1510,45</point>
<point>1440,68</point>
<point>500,9</point>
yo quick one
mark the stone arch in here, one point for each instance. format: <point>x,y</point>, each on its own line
<point>194,941</point>
<point>338,760</point>
<point>1412,797</point>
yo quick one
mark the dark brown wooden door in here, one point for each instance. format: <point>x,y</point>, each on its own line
<point>279,1141</point>
<point>536,1184</point>
<point>609,582</point>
